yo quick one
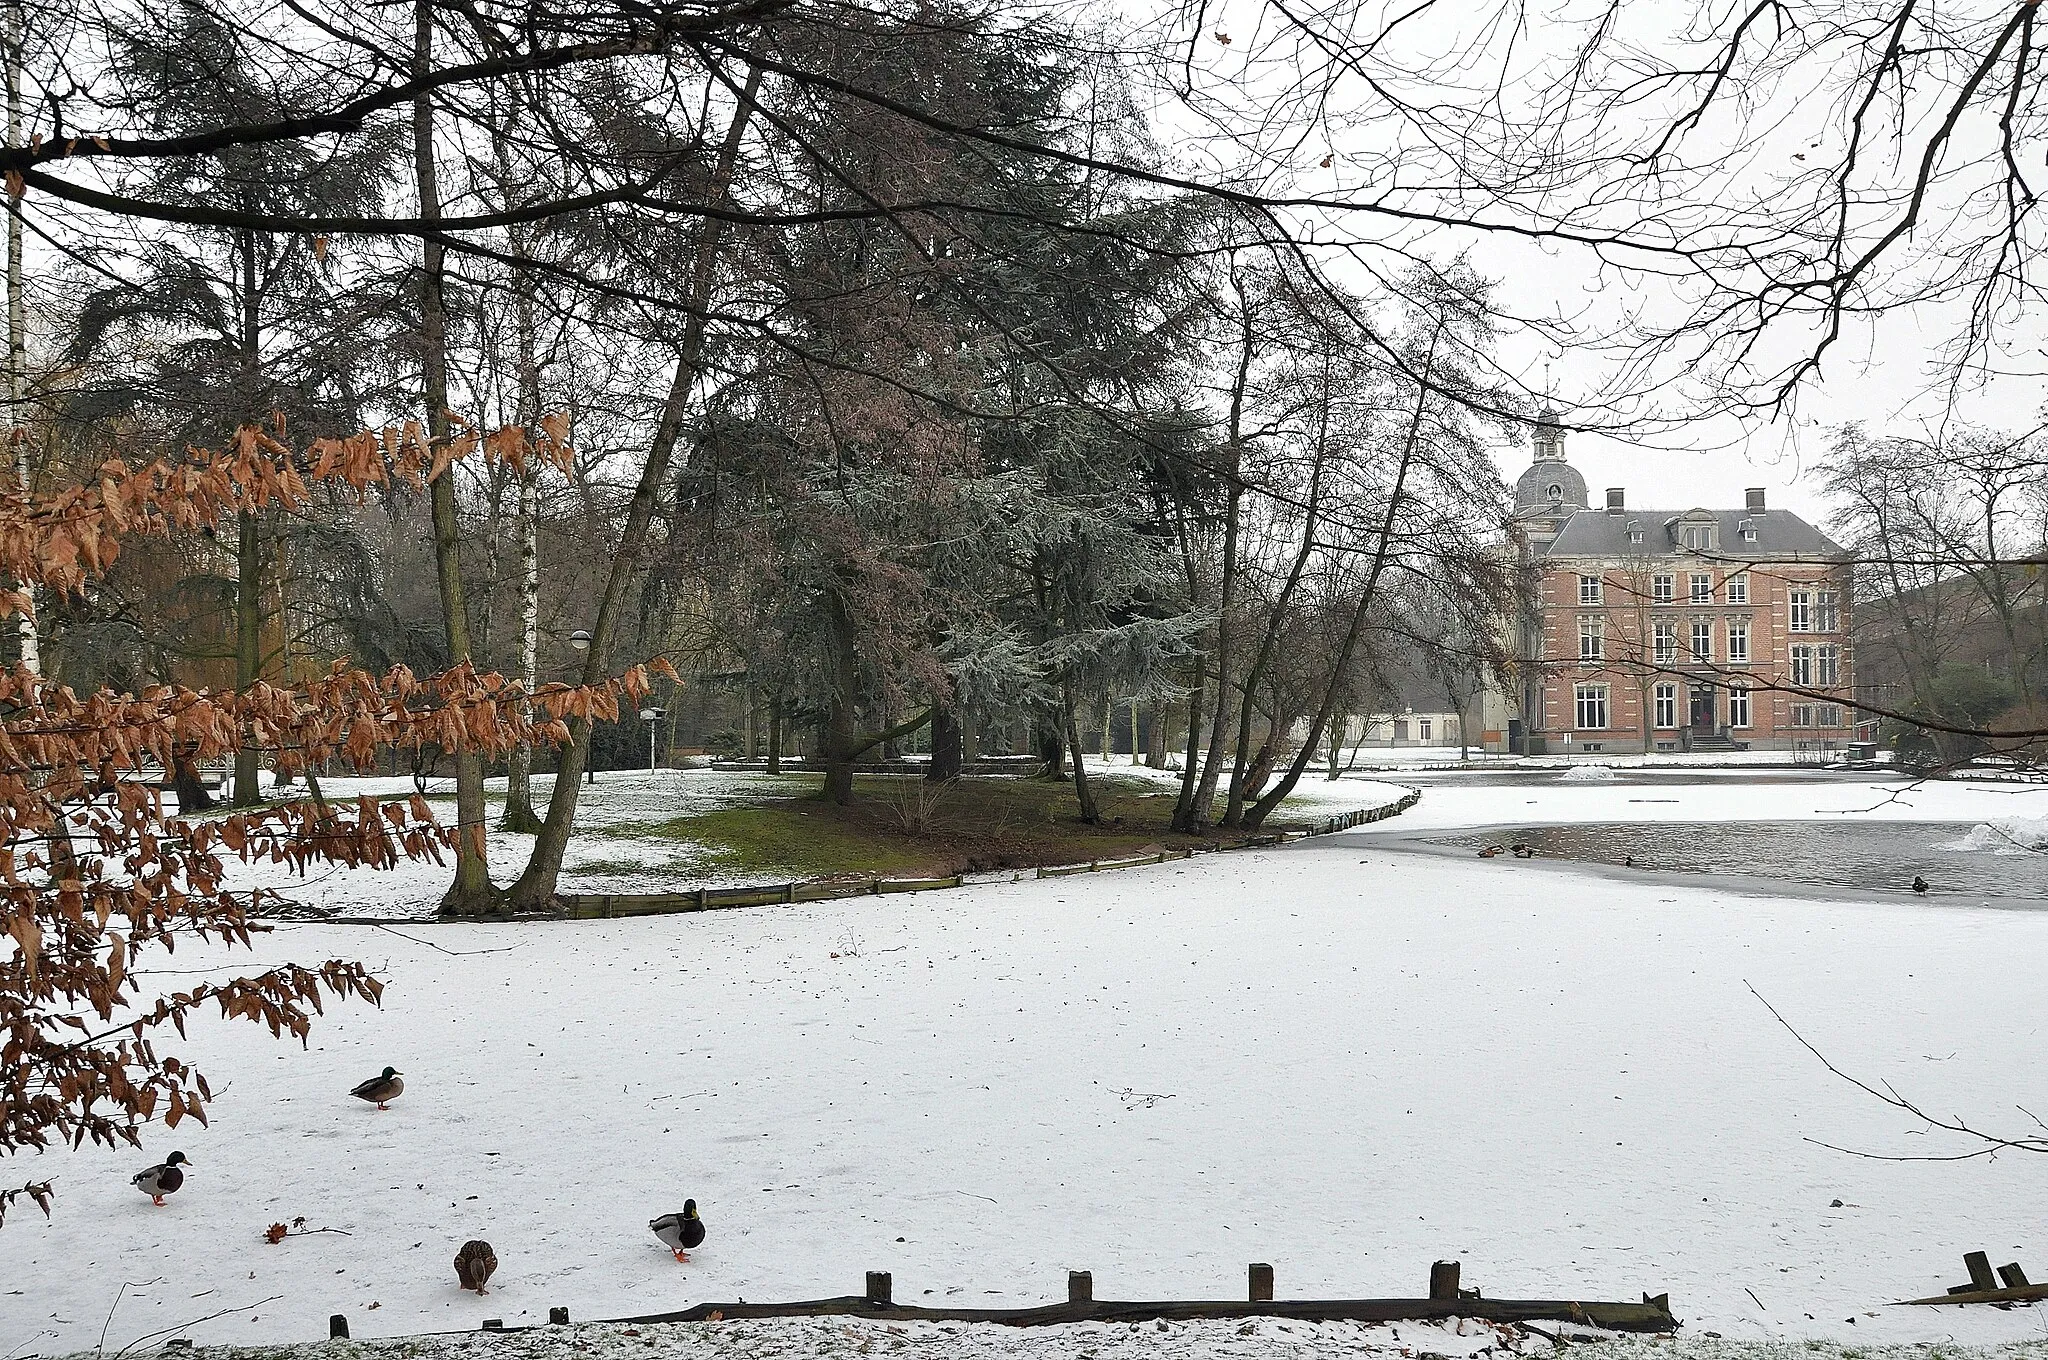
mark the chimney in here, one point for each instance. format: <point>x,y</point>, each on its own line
<point>1755,496</point>
<point>1614,500</point>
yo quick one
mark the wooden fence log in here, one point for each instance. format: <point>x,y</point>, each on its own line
<point>1260,1278</point>
<point>2013,1276</point>
<point>1080,1286</point>
<point>879,1286</point>
<point>1443,1280</point>
<point>1979,1266</point>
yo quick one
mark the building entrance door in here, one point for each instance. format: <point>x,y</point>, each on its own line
<point>1702,708</point>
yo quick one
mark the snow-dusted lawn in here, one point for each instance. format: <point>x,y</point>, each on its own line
<point>1341,1060</point>
<point>612,850</point>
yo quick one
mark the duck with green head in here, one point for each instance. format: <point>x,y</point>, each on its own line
<point>163,1179</point>
<point>381,1089</point>
<point>680,1232</point>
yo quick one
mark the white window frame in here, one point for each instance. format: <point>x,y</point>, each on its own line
<point>1589,701</point>
<point>1799,606</point>
<point>1700,587</point>
<point>1592,637</point>
<point>1738,588</point>
<point>1738,643</point>
<point>1738,706</point>
<point>1827,715</point>
<point>1663,588</point>
<point>1702,628</point>
<point>1591,590</point>
<point>1801,657</point>
<point>1827,665</point>
<point>1664,642</point>
<point>1827,614</point>
<point>1667,706</point>
<point>1422,729</point>
<point>1802,715</point>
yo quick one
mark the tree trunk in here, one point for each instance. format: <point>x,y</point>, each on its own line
<point>1052,747</point>
<point>1083,793</point>
<point>835,729</point>
<point>948,746</point>
<point>519,813</point>
<point>472,892</point>
<point>186,783</point>
<point>249,529</point>
<point>536,886</point>
<point>1410,443</point>
<point>17,324</point>
<point>1204,802</point>
<point>775,733</point>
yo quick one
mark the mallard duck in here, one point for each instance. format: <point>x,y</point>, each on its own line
<point>680,1232</point>
<point>162,1180</point>
<point>474,1264</point>
<point>1919,884</point>
<point>1522,851</point>
<point>381,1089</point>
<point>1490,851</point>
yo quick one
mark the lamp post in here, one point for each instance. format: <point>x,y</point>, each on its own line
<point>651,716</point>
<point>579,641</point>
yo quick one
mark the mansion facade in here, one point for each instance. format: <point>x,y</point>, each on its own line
<point>1674,630</point>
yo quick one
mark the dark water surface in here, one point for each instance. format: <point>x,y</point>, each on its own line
<point>1883,856</point>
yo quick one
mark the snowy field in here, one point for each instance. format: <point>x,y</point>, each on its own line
<point>1707,796</point>
<point>1346,1061</point>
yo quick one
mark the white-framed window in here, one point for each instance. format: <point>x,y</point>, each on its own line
<point>1748,532</point>
<point>1665,634</point>
<point>1827,615</point>
<point>1738,706</point>
<point>1592,638</point>
<point>1738,588</point>
<point>1702,587</point>
<point>1816,715</point>
<point>1589,590</point>
<point>1827,665</point>
<point>1738,643</point>
<point>1802,611</point>
<point>1702,640</point>
<point>1802,666</point>
<point>1697,537</point>
<point>1635,538</point>
<point>1592,707</point>
<point>1663,588</point>
<point>1667,705</point>
<point>1422,726</point>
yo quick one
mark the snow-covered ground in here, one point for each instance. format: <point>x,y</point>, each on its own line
<point>615,848</point>
<point>1342,1060</point>
<point>1705,796</point>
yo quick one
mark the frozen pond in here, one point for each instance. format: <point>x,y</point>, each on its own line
<point>1880,856</point>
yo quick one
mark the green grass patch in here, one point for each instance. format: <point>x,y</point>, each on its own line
<point>905,827</point>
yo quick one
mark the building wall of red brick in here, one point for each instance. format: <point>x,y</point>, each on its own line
<point>1629,667</point>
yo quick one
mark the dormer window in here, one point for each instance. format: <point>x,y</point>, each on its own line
<point>1696,537</point>
<point>1748,528</point>
<point>1555,492</point>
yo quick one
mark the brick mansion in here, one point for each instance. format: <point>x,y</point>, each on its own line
<point>1646,630</point>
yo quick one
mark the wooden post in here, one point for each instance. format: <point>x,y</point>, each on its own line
<point>2014,1277</point>
<point>1979,1266</point>
<point>337,1327</point>
<point>1261,1278</point>
<point>1443,1280</point>
<point>878,1286</point>
<point>494,1324</point>
<point>1080,1286</point>
<point>558,1317</point>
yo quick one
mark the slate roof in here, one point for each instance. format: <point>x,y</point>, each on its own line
<point>1779,533</point>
